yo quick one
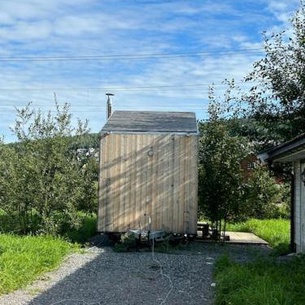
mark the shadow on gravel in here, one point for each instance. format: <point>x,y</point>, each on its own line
<point>136,278</point>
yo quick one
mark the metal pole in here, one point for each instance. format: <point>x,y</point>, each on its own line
<point>109,104</point>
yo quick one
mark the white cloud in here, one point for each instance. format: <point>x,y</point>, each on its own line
<point>93,27</point>
<point>283,10</point>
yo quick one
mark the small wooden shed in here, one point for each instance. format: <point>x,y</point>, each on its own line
<point>293,151</point>
<point>148,172</point>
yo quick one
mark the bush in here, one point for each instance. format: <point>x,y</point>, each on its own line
<point>126,243</point>
<point>86,230</point>
<point>43,184</point>
<point>264,197</point>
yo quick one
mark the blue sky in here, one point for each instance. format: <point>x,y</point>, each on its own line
<point>152,54</point>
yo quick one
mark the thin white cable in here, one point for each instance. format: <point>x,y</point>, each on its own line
<point>74,300</point>
<point>162,273</point>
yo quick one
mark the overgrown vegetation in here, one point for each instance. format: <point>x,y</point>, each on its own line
<point>220,173</point>
<point>45,185</point>
<point>275,231</point>
<point>22,259</point>
<point>229,191</point>
<point>260,282</point>
<point>48,187</point>
<point>86,229</point>
<point>264,197</point>
<point>266,280</point>
<point>270,112</point>
<point>126,243</point>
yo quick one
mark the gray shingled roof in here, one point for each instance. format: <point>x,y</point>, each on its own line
<point>151,122</point>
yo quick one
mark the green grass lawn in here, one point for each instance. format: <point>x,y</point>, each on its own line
<point>262,282</point>
<point>23,259</point>
<point>266,281</point>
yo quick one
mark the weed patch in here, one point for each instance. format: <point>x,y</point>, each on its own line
<point>275,231</point>
<point>126,243</point>
<point>22,259</point>
<point>86,230</point>
<point>262,282</point>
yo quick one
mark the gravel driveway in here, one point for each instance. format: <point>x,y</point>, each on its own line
<point>101,276</point>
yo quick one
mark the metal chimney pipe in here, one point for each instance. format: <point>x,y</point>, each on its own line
<point>109,104</point>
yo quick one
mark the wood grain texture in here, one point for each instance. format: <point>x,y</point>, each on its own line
<point>148,176</point>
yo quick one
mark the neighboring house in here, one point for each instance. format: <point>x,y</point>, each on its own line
<point>83,154</point>
<point>149,172</point>
<point>293,152</point>
<point>248,165</point>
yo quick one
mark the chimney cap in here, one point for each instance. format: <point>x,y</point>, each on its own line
<point>109,94</point>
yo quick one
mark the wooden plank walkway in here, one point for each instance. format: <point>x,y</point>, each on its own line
<point>245,238</point>
<point>237,238</point>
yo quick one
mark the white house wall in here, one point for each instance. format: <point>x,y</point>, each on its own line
<point>299,215</point>
<point>297,207</point>
<point>302,209</point>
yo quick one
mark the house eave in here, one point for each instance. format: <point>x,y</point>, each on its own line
<point>289,151</point>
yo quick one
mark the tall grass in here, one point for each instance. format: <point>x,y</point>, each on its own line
<point>275,231</point>
<point>22,259</point>
<point>260,282</point>
<point>265,281</point>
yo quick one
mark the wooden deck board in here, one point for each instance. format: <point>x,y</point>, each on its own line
<point>245,238</point>
<point>239,238</point>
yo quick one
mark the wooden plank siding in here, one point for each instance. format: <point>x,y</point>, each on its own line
<point>148,174</point>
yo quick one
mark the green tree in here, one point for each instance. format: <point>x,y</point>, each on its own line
<point>48,185</point>
<point>264,197</point>
<point>277,97</point>
<point>12,202</point>
<point>220,172</point>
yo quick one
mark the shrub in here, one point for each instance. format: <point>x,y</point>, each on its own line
<point>264,197</point>
<point>86,229</point>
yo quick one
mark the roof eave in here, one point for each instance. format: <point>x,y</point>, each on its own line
<point>288,151</point>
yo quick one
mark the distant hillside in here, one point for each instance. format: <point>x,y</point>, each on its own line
<point>90,140</point>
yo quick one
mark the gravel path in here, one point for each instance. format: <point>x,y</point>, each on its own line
<point>101,276</point>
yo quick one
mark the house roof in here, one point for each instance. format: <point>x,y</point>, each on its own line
<point>151,122</point>
<point>289,151</point>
